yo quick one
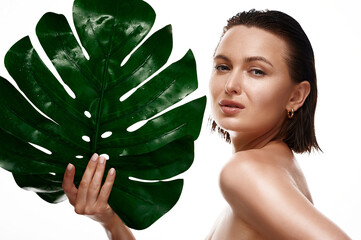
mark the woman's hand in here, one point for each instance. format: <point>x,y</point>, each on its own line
<point>91,199</point>
<point>87,200</point>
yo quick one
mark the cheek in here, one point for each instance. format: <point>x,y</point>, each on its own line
<point>274,93</point>
<point>269,99</point>
<point>215,89</point>
<point>270,102</point>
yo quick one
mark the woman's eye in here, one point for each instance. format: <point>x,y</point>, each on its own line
<point>257,72</point>
<point>221,68</point>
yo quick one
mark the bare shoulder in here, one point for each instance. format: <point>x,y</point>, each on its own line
<point>255,166</point>
<point>260,190</point>
<point>248,171</point>
<point>254,158</point>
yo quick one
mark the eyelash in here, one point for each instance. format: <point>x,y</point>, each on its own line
<point>257,72</point>
<point>221,68</point>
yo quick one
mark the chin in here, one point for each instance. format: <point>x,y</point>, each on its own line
<point>232,125</point>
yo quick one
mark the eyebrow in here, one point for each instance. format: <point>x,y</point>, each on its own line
<point>221,57</point>
<point>247,59</point>
<point>257,58</point>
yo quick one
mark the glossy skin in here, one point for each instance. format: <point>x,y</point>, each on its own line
<point>266,191</point>
<point>251,92</point>
<point>250,69</point>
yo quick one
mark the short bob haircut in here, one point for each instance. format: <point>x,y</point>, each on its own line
<point>298,132</point>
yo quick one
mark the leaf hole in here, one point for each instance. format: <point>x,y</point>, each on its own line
<point>142,180</point>
<point>127,94</point>
<point>69,91</point>
<point>106,134</point>
<point>87,114</point>
<point>86,55</point>
<point>86,138</point>
<point>136,126</point>
<point>41,148</point>
<point>105,155</point>
<point>125,60</point>
<point>52,173</point>
<point>79,156</point>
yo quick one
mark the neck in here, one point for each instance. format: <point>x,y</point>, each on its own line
<point>253,140</point>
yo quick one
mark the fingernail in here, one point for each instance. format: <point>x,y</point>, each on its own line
<point>69,167</point>
<point>112,171</point>
<point>101,160</point>
<point>94,157</point>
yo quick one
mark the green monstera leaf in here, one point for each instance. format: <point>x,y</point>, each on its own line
<point>37,144</point>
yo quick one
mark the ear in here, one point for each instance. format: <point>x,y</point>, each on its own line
<point>299,95</point>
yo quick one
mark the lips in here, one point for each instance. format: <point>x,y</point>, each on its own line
<point>230,107</point>
<point>229,103</point>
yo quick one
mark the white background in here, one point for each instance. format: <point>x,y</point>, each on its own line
<point>333,176</point>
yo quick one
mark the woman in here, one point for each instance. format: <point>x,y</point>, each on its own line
<point>263,93</point>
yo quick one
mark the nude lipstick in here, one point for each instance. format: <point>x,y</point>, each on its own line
<point>230,107</point>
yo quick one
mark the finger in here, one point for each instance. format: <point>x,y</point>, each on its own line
<point>107,187</point>
<point>85,182</point>
<point>96,182</point>
<point>68,183</point>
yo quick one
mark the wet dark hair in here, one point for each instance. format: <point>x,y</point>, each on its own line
<point>298,132</point>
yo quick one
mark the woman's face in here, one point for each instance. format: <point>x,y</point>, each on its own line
<point>250,84</point>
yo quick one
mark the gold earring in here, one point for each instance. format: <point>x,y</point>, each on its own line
<point>290,113</point>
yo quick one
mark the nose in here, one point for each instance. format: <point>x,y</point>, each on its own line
<point>233,84</point>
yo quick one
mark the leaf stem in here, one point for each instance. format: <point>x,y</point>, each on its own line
<point>99,110</point>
